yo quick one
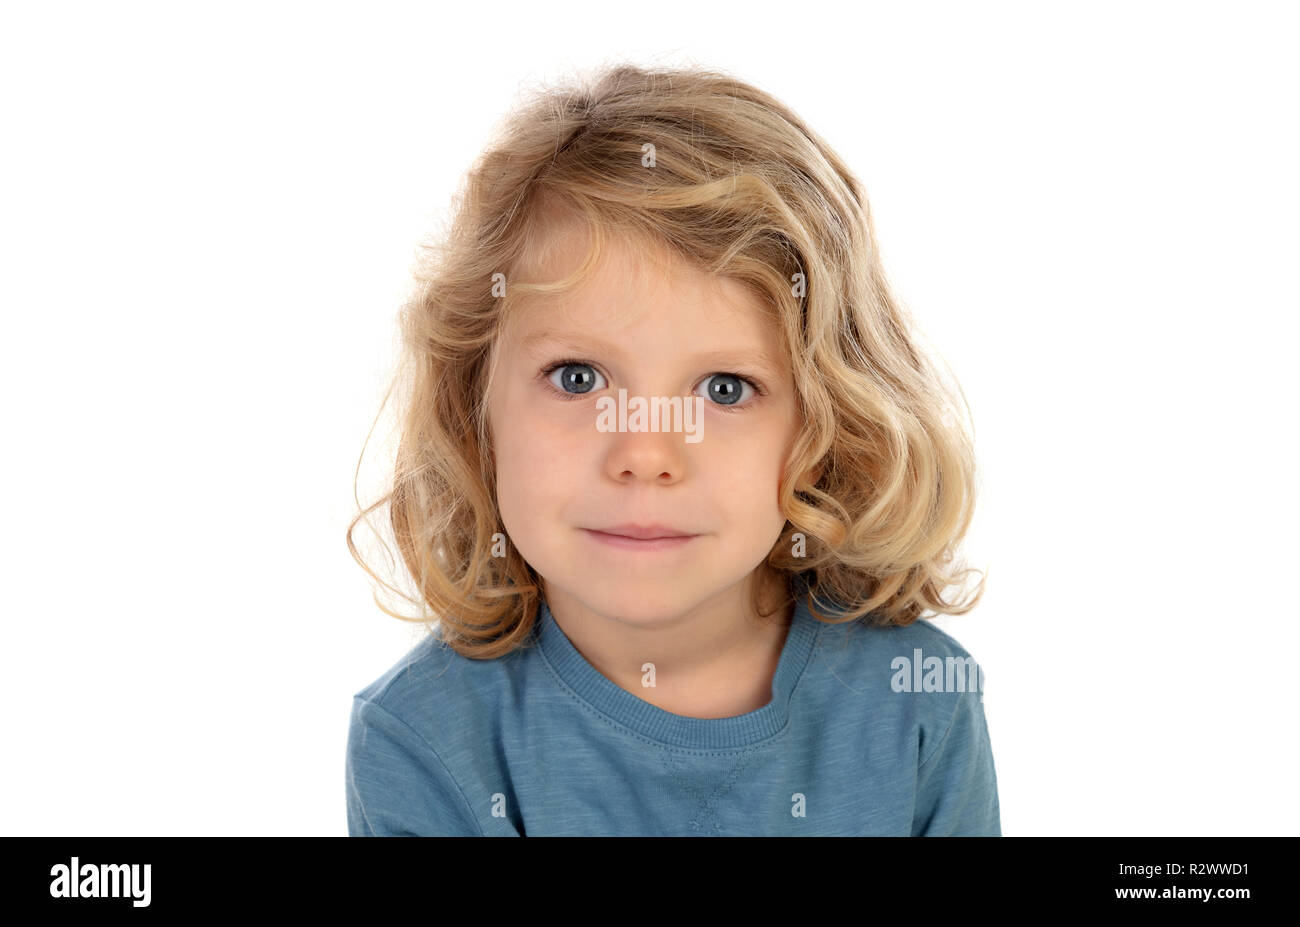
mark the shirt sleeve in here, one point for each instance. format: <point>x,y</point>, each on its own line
<point>957,786</point>
<point>396,784</point>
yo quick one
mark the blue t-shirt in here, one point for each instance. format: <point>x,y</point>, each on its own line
<point>539,743</point>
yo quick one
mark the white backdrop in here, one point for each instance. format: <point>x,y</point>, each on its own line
<point>209,213</point>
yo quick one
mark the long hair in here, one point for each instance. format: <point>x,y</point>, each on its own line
<point>723,175</point>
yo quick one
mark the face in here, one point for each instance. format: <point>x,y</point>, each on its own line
<point>655,328</point>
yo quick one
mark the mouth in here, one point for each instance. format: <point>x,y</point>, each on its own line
<point>640,537</point>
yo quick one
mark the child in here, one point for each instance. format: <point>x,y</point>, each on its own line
<point>675,485</point>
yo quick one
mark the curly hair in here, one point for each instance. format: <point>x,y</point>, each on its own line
<point>742,188</point>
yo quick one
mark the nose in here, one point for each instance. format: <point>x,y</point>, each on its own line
<point>646,456</point>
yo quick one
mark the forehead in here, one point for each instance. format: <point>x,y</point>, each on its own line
<point>634,288</point>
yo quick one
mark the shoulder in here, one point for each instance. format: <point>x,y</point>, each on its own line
<point>442,696</point>
<point>419,671</point>
<point>874,652</point>
<point>412,743</point>
<point>915,678</point>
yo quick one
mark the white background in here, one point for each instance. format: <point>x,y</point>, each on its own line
<point>208,216</point>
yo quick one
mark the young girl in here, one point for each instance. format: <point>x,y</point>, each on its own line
<point>674,486</point>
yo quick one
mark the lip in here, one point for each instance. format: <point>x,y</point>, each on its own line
<point>643,532</point>
<point>623,542</point>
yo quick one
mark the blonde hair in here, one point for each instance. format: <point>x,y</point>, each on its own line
<point>741,187</point>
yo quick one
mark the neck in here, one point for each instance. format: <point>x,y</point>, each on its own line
<point>715,660</point>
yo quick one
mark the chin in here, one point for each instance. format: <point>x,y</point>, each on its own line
<point>642,603</point>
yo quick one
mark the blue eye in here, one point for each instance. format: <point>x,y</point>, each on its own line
<point>575,378</point>
<point>727,389</point>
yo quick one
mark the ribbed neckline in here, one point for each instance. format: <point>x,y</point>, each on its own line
<point>655,723</point>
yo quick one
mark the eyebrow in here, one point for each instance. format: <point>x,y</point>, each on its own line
<point>737,356</point>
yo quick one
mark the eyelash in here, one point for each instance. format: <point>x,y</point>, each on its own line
<point>545,377</point>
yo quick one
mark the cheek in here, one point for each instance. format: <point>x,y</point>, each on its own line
<point>539,464</point>
<point>511,452</point>
<point>514,432</point>
<point>744,474</point>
